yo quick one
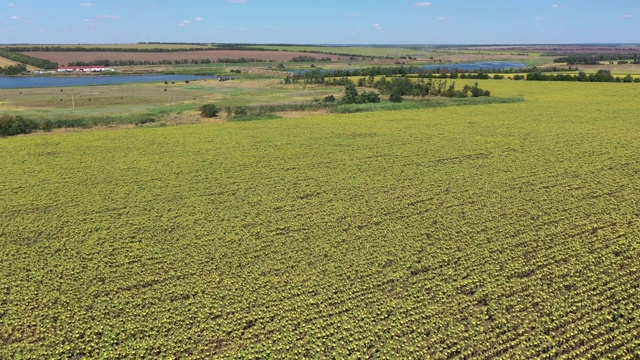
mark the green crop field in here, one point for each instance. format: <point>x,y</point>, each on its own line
<point>491,231</point>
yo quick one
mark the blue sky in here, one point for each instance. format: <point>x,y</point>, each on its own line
<point>320,22</point>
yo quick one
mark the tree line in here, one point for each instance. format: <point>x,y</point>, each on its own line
<point>309,59</point>
<point>399,86</point>
<point>16,125</point>
<point>403,86</point>
<point>317,76</point>
<point>595,59</point>
<point>600,76</point>
<point>25,59</point>
<point>13,69</point>
<point>166,62</point>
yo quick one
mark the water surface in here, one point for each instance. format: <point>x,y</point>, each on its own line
<point>17,82</point>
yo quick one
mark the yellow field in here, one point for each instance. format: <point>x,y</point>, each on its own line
<point>4,62</point>
<point>505,231</point>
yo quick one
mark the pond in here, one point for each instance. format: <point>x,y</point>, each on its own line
<point>480,65</point>
<point>17,82</point>
<point>471,66</point>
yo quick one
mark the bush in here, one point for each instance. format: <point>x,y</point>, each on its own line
<point>240,111</point>
<point>370,97</point>
<point>477,92</point>
<point>15,125</point>
<point>209,110</point>
<point>395,97</point>
<point>46,125</point>
<point>329,99</point>
<point>145,120</point>
<point>256,116</point>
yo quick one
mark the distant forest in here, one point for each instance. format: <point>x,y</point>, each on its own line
<point>595,59</point>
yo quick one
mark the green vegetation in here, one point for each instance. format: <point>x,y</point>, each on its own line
<point>16,125</point>
<point>110,105</point>
<point>424,103</point>
<point>492,231</point>
<point>600,76</point>
<point>28,60</point>
<point>13,69</point>
<point>351,96</point>
<point>597,59</point>
<point>209,110</point>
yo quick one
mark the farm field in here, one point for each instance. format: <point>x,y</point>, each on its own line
<point>6,62</point>
<point>143,46</point>
<point>491,231</point>
<point>66,57</point>
<point>357,50</point>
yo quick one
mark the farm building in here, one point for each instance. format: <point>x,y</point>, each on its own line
<point>95,68</point>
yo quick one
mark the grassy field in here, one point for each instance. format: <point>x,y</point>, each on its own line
<point>490,231</point>
<point>130,100</point>
<point>51,103</point>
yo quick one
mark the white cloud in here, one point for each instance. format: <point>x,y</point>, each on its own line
<point>422,4</point>
<point>199,19</point>
<point>626,16</point>
<point>86,4</point>
<point>15,18</point>
<point>184,23</point>
<point>538,18</point>
<point>557,6</point>
<point>377,26</point>
<point>11,5</point>
<point>107,17</point>
<point>446,18</point>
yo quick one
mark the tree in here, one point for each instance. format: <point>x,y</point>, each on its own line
<point>603,75</point>
<point>350,94</point>
<point>15,125</point>
<point>209,110</point>
<point>395,96</point>
<point>371,81</point>
<point>368,97</point>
